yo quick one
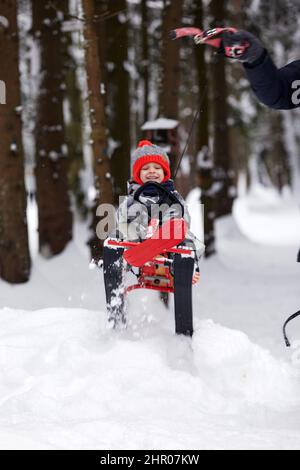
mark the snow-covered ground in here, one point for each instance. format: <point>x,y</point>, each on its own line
<point>68,382</point>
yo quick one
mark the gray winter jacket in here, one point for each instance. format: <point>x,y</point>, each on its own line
<point>133,217</point>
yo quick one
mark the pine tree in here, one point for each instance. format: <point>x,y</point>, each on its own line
<point>54,213</point>
<point>118,116</point>
<point>14,250</point>
<point>74,124</point>
<point>102,168</point>
<point>169,93</point>
<point>223,173</point>
<point>145,58</point>
<point>203,154</point>
<point>172,14</point>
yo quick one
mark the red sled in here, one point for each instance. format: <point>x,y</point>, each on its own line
<point>153,256</point>
<point>170,234</point>
<point>161,262</point>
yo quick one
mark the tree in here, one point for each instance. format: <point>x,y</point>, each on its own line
<point>169,93</point>
<point>172,14</point>
<point>118,116</point>
<point>273,135</point>
<point>14,250</point>
<point>54,213</point>
<point>203,155</point>
<point>74,124</point>
<point>223,173</point>
<point>278,162</point>
<point>277,159</point>
<point>102,169</point>
<point>145,58</point>
<point>239,91</point>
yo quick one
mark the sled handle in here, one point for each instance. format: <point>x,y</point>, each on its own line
<point>127,244</point>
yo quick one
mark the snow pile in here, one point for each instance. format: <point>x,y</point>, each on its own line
<point>242,371</point>
<point>68,382</point>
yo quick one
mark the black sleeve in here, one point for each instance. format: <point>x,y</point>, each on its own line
<point>276,88</point>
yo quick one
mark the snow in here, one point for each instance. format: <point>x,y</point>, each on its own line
<point>4,23</point>
<point>270,230</point>
<point>160,123</point>
<point>13,147</point>
<point>70,382</point>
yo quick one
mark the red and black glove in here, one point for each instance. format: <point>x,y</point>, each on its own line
<point>233,45</point>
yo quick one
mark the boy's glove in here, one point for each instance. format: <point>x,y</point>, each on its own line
<point>251,53</point>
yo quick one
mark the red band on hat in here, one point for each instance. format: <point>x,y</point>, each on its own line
<point>150,159</point>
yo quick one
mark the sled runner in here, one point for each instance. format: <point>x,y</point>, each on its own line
<point>170,272</point>
<point>156,273</point>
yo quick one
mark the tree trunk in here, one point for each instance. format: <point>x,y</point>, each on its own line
<point>73,128</point>
<point>238,130</point>
<point>102,170</point>
<point>14,250</point>
<point>172,15</point>
<point>203,156</point>
<point>118,95</point>
<point>55,217</point>
<point>145,58</point>
<point>223,174</point>
<point>278,160</point>
<point>169,92</point>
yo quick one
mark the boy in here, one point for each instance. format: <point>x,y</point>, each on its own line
<point>150,164</point>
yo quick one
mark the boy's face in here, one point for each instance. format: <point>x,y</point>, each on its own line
<point>152,172</point>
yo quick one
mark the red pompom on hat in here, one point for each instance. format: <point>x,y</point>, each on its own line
<point>147,152</point>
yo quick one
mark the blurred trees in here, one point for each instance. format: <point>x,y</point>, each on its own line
<point>203,155</point>
<point>101,163</point>
<point>118,100</point>
<point>54,212</point>
<point>14,249</point>
<point>74,121</point>
<point>170,68</point>
<point>145,59</point>
<point>223,173</point>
